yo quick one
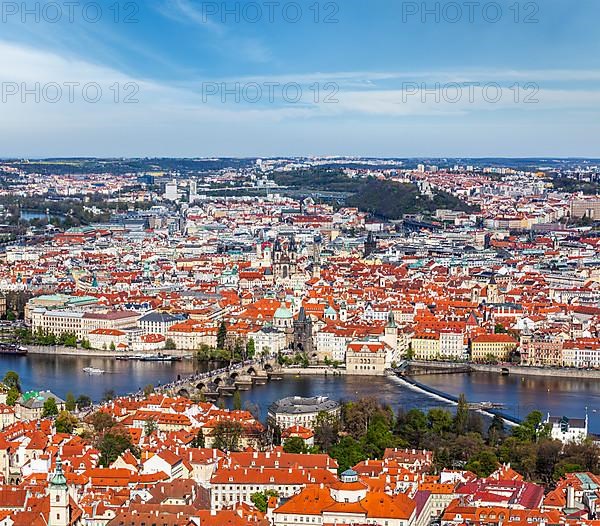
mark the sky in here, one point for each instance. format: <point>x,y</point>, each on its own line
<point>379,78</point>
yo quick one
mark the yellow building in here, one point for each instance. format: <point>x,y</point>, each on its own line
<point>426,346</point>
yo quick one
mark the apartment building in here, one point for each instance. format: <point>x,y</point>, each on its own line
<point>80,323</point>
<point>497,346</point>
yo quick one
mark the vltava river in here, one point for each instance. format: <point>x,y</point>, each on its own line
<point>520,394</point>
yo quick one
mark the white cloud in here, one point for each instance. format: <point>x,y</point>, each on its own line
<point>174,119</point>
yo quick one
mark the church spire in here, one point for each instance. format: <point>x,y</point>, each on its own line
<point>391,320</point>
<point>58,478</point>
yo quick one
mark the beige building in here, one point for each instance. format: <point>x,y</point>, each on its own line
<point>80,323</point>
<point>586,207</point>
<point>370,357</point>
<point>30,405</point>
<point>58,301</point>
<point>498,346</point>
<point>7,416</point>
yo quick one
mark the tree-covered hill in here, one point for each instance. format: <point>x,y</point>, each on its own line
<point>391,200</point>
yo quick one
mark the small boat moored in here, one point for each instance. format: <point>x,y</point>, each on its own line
<point>13,349</point>
<point>93,370</point>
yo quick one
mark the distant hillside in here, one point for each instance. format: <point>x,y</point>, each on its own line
<point>392,200</point>
<point>326,179</point>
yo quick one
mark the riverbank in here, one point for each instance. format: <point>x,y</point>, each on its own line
<point>520,370</point>
<point>312,371</point>
<point>537,371</point>
<point>59,350</point>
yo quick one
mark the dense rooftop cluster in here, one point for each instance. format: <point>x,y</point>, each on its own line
<point>168,475</point>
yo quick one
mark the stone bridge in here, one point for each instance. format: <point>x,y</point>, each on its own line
<point>225,381</point>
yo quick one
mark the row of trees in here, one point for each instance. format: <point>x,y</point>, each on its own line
<point>459,440</point>
<point>41,337</point>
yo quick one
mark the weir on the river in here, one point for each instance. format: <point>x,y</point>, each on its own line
<point>508,419</point>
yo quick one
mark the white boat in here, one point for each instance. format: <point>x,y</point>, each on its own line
<point>93,370</point>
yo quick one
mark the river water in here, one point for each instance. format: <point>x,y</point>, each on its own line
<point>519,394</point>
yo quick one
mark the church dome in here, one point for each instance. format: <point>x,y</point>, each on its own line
<point>283,313</point>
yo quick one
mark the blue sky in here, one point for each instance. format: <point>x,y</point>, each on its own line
<point>376,78</point>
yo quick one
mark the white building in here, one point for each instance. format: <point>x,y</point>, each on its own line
<point>171,193</point>
<point>269,340</point>
<point>568,429</point>
<point>299,411</point>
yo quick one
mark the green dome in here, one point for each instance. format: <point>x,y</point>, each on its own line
<point>58,478</point>
<point>283,313</point>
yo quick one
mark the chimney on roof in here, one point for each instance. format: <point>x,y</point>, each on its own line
<point>570,497</point>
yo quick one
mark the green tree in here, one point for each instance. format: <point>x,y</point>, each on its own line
<point>10,315</point>
<point>357,415</point>
<point>198,440</point>
<point>237,401</point>
<point>170,344</point>
<point>261,499</point>
<point>474,422</point>
<point>148,390</point>
<point>112,444</point>
<point>379,437</point>
<point>548,456</point>
<point>69,339</point>
<point>11,379</point>
<point>112,346</point>
<point>70,402</point>
<point>109,395</point>
<point>102,422</point>
<point>348,452</point>
<point>294,445</point>
<point>250,349</point>
<point>65,422</point>
<point>204,352</point>
<point>483,463</point>
<point>85,344</point>
<point>227,435</point>
<point>463,447</point>
<point>221,335</point>
<point>50,408</point>
<point>413,427</point>
<point>83,401</point>
<point>462,415</point>
<point>496,431</point>
<point>150,426</point>
<point>531,428</point>
<point>439,421</point>
<point>12,396</point>
<point>326,430</point>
